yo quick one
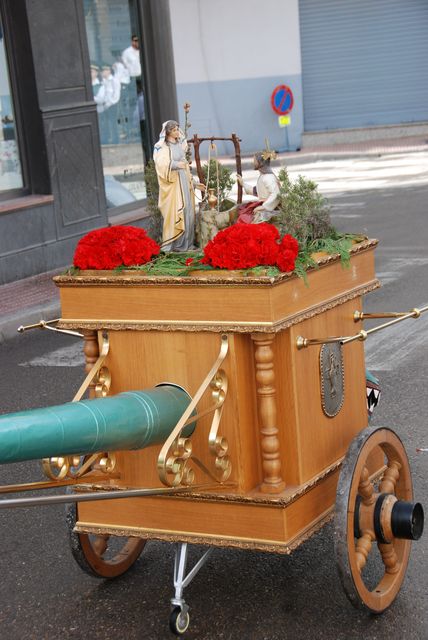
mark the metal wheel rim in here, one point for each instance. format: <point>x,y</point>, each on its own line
<point>88,550</point>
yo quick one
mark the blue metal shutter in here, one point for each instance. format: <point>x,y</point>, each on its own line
<point>364,62</point>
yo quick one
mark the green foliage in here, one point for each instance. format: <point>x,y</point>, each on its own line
<point>304,212</point>
<point>173,263</point>
<point>225,182</point>
<point>336,244</point>
<point>71,271</point>
<point>152,188</point>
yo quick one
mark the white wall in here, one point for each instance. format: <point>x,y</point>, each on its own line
<point>229,39</point>
<point>229,55</point>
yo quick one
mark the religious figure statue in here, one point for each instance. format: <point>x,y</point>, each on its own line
<point>176,189</point>
<point>266,190</point>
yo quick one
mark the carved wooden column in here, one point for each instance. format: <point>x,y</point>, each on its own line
<point>91,351</point>
<point>266,402</point>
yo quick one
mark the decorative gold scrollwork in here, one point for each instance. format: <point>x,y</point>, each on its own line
<point>177,471</point>
<point>218,445</point>
<point>74,467</point>
<point>103,380</point>
<point>57,468</point>
<point>103,383</point>
<point>173,461</point>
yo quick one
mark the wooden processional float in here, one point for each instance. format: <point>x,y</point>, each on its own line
<point>219,449</point>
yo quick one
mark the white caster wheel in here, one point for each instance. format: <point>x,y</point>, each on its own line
<point>179,621</point>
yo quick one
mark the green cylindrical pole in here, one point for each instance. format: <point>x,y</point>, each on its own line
<point>130,420</point>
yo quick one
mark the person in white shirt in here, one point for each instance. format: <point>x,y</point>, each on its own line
<point>121,72</point>
<point>97,87</point>
<point>266,190</point>
<point>132,63</point>
<point>131,58</point>
<point>111,87</point>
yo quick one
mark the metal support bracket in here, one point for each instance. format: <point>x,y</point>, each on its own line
<point>74,467</point>
<point>181,580</point>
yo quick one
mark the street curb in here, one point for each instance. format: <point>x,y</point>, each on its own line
<point>9,324</point>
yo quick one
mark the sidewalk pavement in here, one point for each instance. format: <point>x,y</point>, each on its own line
<point>29,300</point>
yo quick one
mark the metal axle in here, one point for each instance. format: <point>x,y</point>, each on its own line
<point>11,503</point>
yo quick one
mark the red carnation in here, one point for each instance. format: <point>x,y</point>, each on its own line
<point>286,260</point>
<point>112,247</point>
<point>289,242</point>
<point>243,246</point>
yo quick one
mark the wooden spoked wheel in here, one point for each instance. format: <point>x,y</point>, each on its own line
<point>103,556</point>
<point>359,549</point>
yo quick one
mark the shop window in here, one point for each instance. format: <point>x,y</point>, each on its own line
<point>114,42</point>
<point>10,165</point>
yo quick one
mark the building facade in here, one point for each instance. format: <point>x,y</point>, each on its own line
<point>350,64</point>
<point>84,87</point>
<point>86,84</point>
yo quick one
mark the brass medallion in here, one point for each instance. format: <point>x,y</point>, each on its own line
<point>332,378</point>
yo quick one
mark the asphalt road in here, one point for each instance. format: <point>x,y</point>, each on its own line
<point>251,595</point>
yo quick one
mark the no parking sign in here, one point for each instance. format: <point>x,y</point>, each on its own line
<point>282,100</point>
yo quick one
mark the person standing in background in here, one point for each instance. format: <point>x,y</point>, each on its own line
<point>139,120</point>
<point>109,106</point>
<point>97,87</point>
<point>131,58</point>
<point>121,72</point>
<point>132,62</point>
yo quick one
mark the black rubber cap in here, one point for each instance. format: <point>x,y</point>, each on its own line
<point>407,520</point>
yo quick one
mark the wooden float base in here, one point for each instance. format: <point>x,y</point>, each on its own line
<point>278,523</point>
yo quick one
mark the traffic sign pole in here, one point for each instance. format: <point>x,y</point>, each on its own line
<point>282,102</point>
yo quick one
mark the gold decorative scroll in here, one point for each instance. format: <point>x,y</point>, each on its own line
<point>103,381</point>
<point>218,445</point>
<point>176,452</point>
<point>75,467</point>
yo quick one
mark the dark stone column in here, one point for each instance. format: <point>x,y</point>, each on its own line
<point>158,61</point>
<point>61,65</point>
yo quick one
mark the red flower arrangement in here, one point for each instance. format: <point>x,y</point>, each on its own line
<point>243,246</point>
<point>287,253</point>
<point>112,247</point>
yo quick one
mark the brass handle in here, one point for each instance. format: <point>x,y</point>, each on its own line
<point>45,324</point>
<point>302,343</point>
<point>38,325</point>
<point>414,313</point>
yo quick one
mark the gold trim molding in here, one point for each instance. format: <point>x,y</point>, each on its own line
<point>210,539</point>
<point>221,326</point>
